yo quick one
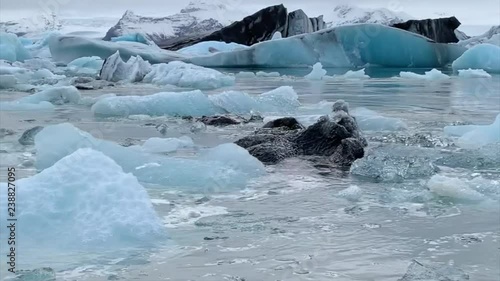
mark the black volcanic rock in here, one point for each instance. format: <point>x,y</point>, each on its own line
<point>337,138</point>
<point>441,30</point>
<point>299,23</point>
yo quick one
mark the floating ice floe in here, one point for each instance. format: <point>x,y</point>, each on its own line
<point>267,74</point>
<point>369,120</point>
<point>351,74</point>
<point>210,47</point>
<point>454,188</point>
<point>187,75</point>
<point>44,100</point>
<point>197,104</point>
<point>85,199</point>
<point>434,74</point>
<point>482,56</point>
<point>395,164</point>
<point>210,171</point>
<point>12,49</point>
<point>317,72</point>
<point>474,136</point>
<point>245,74</point>
<point>473,73</point>
<point>342,46</point>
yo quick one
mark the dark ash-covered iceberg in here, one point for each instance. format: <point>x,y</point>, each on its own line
<point>440,30</point>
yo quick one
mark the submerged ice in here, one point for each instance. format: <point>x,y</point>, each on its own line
<point>210,171</point>
<point>85,198</point>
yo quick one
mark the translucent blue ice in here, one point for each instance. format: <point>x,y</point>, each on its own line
<point>196,103</point>
<point>87,62</point>
<point>210,47</point>
<point>474,136</point>
<point>11,48</point>
<point>44,100</point>
<point>342,46</point>
<point>221,168</point>
<point>134,37</point>
<point>482,56</point>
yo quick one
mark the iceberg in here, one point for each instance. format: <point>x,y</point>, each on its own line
<point>360,74</point>
<point>160,145</point>
<point>482,56</point>
<point>206,172</point>
<point>342,46</point>
<point>434,74</point>
<point>187,75</point>
<point>473,73</point>
<point>85,199</point>
<point>475,136</point>
<point>86,64</point>
<point>68,48</point>
<point>317,72</point>
<point>12,48</point>
<point>115,69</point>
<point>492,36</point>
<point>197,104</point>
<point>210,47</point>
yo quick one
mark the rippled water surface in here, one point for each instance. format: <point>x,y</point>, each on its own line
<point>298,222</point>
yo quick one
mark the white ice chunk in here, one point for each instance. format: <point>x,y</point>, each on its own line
<point>482,56</point>
<point>187,75</point>
<point>202,173</point>
<point>317,72</point>
<point>351,74</point>
<point>455,188</point>
<point>55,95</point>
<point>11,48</point>
<point>475,136</point>
<point>473,73</point>
<point>195,103</point>
<point>85,199</point>
<point>370,120</point>
<point>158,145</point>
<point>277,35</point>
<point>434,74</point>
<point>267,74</point>
<point>352,193</point>
<point>210,47</point>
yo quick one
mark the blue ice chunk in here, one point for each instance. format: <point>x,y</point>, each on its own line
<point>68,48</point>
<point>43,100</point>
<point>209,171</point>
<point>11,48</point>
<point>210,47</point>
<point>342,46</point>
<point>482,56</point>
<point>84,199</point>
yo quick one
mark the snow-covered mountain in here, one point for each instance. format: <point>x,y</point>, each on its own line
<point>347,14</point>
<point>198,17</point>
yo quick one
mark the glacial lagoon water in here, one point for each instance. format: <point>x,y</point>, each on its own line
<point>302,221</point>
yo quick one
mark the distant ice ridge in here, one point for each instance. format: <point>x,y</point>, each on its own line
<point>492,36</point>
<point>195,103</point>
<point>44,100</point>
<point>84,199</point>
<point>434,74</point>
<point>211,47</point>
<point>482,56</point>
<point>475,136</point>
<point>343,46</point>
<point>222,168</point>
<point>12,49</point>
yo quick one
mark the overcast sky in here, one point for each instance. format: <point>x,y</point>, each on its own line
<point>469,12</point>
